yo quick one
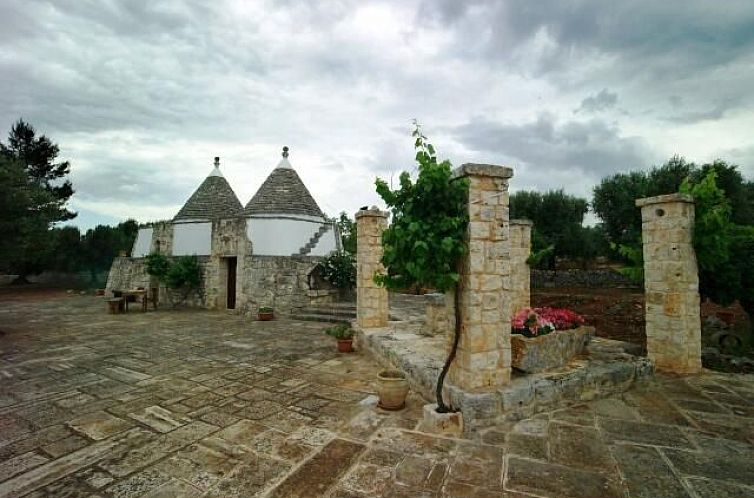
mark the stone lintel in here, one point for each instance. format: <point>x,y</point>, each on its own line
<point>522,222</point>
<point>373,211</point>
<point>662,199</point>
<point>491,170</point>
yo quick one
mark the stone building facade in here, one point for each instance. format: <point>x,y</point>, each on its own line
<point>260,255</point>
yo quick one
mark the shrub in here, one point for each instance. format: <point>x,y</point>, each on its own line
<point>339,269</point>
<point>182,274</point>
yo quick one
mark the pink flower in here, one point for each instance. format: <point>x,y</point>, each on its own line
<point>539,321</point>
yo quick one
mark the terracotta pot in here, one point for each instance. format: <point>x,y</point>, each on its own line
<point>345,345</point>
<point>266,316</point>
<point>392,388</point>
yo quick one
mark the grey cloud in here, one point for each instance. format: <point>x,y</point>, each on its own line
<point>599,102</point>
<point>119,180</point>
<point>692,29</point>
<point>550,152</point>
<point>714,113</point>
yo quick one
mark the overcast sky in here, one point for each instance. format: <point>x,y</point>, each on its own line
<point>141,95</point>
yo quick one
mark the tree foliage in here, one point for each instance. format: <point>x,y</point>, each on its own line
<point>615,196</point>
<point>724,250</point>
<point>24,219</point>
<point>33,196</point>
<point>37,155</point>
<point>347,228</point>
<point>558,230</point>
<point>425,240</point>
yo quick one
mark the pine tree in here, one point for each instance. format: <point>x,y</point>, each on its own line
<point>37,154</point>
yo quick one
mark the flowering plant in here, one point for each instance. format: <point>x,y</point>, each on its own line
<point>533,322</point>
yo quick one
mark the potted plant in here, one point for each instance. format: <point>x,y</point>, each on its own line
<point>545,338</point>
<point>265,313</point>
<point>344,335</point>
<point>392,389</point>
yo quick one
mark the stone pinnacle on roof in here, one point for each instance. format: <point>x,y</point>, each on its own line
<point>283,192</point>
<point>212,200</point>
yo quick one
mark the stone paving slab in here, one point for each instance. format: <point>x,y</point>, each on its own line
<point>206,404</point>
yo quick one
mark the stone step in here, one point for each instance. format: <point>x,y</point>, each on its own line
<point>335,308</point>
<point>307,317</point>
<point>330,312</point>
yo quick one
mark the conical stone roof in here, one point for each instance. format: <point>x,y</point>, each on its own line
<point>212,200</point>
<point>283,192</point>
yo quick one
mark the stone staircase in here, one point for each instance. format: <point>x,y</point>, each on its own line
<point>314,240</point>
<point>332,312</point>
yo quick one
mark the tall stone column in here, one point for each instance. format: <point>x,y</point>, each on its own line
<point>671,283</point>
<point>371,299</point>
<point>483,360</point>
<point>520,233</point>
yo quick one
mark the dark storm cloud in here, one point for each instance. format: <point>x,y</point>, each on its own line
<point>547,148</point>
<point>699,32</point>
<point>599,102</point>
<point>656,47</point>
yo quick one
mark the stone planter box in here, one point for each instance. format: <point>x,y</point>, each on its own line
<point>554,350</point>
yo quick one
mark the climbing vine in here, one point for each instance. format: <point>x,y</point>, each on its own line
<point>425,240</point>
<point>424,244</point>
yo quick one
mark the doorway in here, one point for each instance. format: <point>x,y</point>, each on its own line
<point>231,287</point>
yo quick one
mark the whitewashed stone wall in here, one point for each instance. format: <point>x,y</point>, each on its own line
<point>371,299</point>
<point>671,283</point>
<point>483,361</point>
<point>520,233</point>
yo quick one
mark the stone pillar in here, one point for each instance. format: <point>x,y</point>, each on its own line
<point>520,232</point>
<point>671,283</point>
<point>483,361</point>
<point>371,299</point>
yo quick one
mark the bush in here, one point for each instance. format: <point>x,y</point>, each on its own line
<point>339,269</point>
<point>181,273</point>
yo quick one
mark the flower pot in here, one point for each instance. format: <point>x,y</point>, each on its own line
<point>554,350</point>
<point>265,316</point>
<point>345,345</point>
<point>392,389</point>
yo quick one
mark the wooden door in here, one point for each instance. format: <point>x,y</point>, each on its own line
<point>231,291</point>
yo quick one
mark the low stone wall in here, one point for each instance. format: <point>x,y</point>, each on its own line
<point>579,278</point>
<point>607,367</point>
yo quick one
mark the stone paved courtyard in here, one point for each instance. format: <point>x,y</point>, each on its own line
<point>198,403</point>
